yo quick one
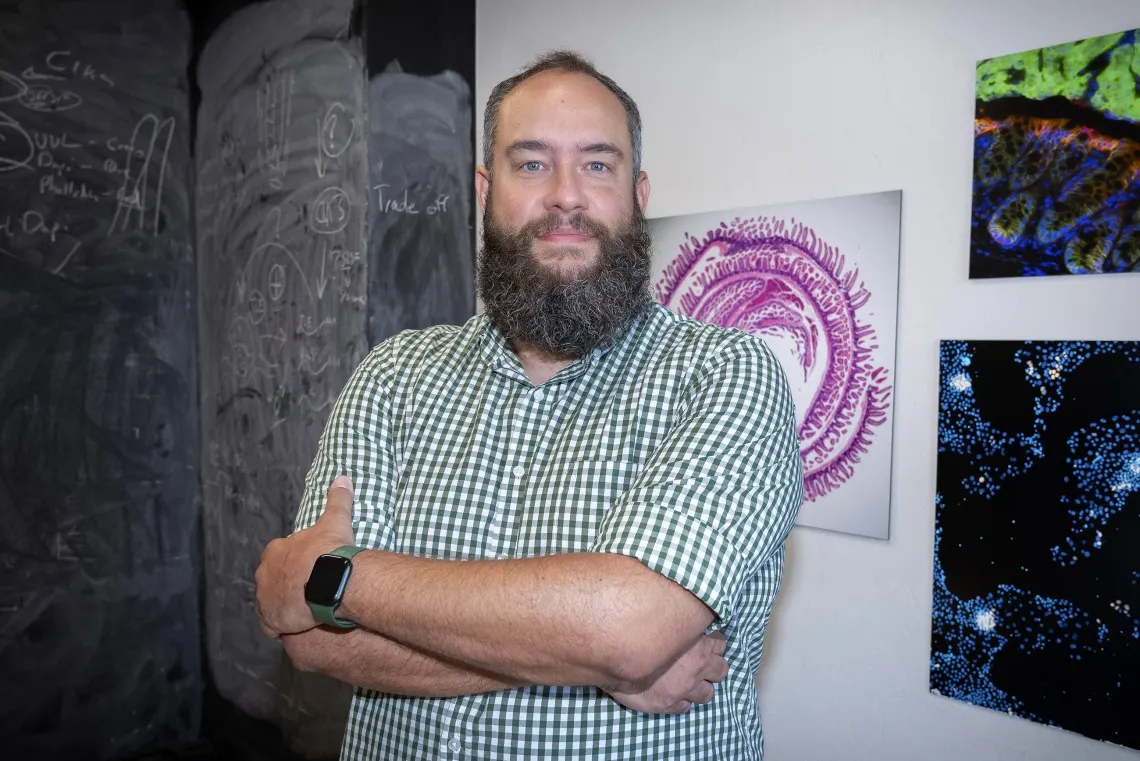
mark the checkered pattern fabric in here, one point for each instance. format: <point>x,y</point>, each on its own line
<point>676,446</point>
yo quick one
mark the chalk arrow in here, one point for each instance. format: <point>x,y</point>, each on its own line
<point>322,281</point>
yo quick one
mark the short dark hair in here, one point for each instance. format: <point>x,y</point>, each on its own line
<point>570,62</point>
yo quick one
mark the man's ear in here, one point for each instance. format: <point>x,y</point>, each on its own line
<point>641,190</point>
<point>482,186</point>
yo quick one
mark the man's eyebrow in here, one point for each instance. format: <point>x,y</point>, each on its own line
<point>609,148</point>
<point>541,146</point>
<point>520,146</point>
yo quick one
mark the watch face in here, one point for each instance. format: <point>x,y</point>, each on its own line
<point>327,581</point>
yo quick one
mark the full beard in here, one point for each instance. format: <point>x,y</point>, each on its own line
<point>565,317</point>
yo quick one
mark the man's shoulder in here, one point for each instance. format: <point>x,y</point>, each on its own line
<point>414,350</point>
<point>670,334</point>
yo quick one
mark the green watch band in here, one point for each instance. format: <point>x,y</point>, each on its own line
<point>324,613</point>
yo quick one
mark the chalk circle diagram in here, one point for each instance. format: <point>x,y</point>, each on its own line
<point>825,303</point>
<point>337,131</point>
<point>16,147</point>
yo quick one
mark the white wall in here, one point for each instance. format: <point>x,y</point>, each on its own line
<point>767,101</point>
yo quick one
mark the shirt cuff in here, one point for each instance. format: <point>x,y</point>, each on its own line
<point>681,548</point>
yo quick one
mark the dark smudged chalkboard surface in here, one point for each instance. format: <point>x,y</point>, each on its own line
<point>99,632</point>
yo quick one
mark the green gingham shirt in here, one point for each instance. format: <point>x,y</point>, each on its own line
<point>676,446</point>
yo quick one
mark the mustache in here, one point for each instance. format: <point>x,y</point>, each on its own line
<point>577,222</point>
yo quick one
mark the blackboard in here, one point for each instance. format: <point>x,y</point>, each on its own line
<point>99,632</point>
<point>281,191</point>
<point>421,171</point>
<point>164,380</point>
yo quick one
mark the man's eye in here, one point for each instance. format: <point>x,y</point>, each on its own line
<point>532,166</point>
<point>597,166</point>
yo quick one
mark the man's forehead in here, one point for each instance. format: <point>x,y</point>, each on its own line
<point>570,105</point>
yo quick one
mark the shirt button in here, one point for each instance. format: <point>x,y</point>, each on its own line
<point>518,470</point>
<point>538,394</point>
<point>454,745</point>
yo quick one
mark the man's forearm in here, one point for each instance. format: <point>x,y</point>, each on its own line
<point>572,619</point>
<point>366,659</point>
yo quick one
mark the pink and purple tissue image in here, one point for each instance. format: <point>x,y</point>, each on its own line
<point>818,282</point>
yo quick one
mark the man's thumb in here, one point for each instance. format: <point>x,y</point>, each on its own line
<point>340,497</point>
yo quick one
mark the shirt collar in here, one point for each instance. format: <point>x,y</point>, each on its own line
<point>497,352</point>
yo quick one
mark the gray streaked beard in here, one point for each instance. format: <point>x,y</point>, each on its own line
<point>565,318</point>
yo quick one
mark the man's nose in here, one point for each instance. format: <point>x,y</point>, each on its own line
<point>565,191</point>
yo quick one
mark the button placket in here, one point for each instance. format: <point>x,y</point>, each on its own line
<point>452,710</point>
<point>512,476</point>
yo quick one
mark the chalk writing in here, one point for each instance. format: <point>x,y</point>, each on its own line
<point>305,326</point>
<point>274,112</point>
<point>62,61</point>
<point>276,282</point>
<point>402,204</point>
<point>45,160</point>
<point>39,97</point>
<point>115,145</point>
<point>256,306</point>
<point>31,73</point>
<point>156,134</point>
<point>337,131</point>
<point>334,135</point>
<point>47,141</point>
<point>31,223</point>
<point>344,259</point>
<point>44,98</point>
<point>330,211</point>
<point>49,185</point>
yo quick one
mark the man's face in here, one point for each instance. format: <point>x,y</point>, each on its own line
<point>562,171</point>
<point>565,260</point>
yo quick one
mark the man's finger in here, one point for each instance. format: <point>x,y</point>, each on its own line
<point>715,669</point>
<point>339,499</point>
<point>719,642</point>
<point>702,694</point>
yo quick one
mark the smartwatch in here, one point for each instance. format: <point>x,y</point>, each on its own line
<point>327,582</point>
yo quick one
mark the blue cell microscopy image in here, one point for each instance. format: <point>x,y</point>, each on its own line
<point>1036,608</point>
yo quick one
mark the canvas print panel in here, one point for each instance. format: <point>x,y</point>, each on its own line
<point>1036,571</point>
<point>1056,156</point>
<point>818,282</point>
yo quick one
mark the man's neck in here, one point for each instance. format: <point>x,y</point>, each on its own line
<point>539,366</point>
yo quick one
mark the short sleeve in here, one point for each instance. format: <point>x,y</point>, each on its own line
<point>716,500</point>
<point>357,442</point>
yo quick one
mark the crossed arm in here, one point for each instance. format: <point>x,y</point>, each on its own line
<point>372,661</point>
<point>437,628</point>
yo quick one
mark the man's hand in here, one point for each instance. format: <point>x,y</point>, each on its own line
<point>689,680</point>
<point>286,564</point>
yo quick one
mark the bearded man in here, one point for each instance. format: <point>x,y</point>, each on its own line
<point>556,531</point>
